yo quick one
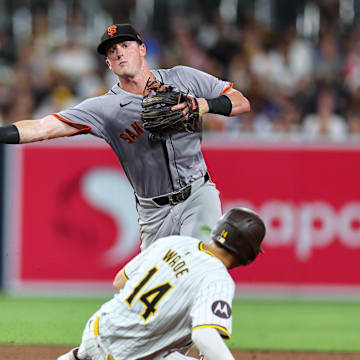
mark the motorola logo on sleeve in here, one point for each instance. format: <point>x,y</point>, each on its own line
<point>221,309</point>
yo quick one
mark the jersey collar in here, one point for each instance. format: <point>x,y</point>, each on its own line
<point>201,247</point>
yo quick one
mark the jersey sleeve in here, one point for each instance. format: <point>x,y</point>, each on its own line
<point>131,267</point>
<point>201,83</point>
<point>212,306</point>
<point>86,117</point>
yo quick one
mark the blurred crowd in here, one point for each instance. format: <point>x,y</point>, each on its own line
<point>299,87</point>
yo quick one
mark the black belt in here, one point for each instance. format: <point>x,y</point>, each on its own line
<point>177,196</point>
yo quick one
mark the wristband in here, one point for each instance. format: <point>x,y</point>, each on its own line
<point>9,135</point>
<point>221,105</point>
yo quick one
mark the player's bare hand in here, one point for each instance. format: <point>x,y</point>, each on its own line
<point>181,106</point>
<point>203,107</point>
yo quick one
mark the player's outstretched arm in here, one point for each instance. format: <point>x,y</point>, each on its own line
<point>210,344</point>
<point>27,131</point>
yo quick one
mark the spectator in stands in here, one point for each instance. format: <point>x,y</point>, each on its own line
<point>354,123</point>
<point>327,59</point>
<point>260,60</point>
<point>325,122</point>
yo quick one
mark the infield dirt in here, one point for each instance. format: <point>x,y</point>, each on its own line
<point>16,352</point>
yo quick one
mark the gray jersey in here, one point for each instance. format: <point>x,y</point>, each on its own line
<point>173,287</point>
<point>153,167</point>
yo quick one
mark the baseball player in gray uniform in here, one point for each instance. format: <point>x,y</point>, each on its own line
<point>172,187</point>
<point>166,301</point>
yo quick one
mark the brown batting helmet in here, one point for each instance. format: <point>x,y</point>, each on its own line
<point>240,231</point>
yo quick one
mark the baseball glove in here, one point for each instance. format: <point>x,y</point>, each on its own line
<point>157,116</point>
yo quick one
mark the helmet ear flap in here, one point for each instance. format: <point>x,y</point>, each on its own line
<point>246,254</point>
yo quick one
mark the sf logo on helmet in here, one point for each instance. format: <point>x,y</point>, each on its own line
<point>111,30</point>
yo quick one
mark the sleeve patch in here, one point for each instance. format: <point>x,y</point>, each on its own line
<point>221,309</point>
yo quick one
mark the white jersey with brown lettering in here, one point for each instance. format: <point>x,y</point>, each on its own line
<point>173,287</point>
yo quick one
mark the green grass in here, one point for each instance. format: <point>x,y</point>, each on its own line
<point>44,320</point>
<point>284,325</point>
<point>296,325</point>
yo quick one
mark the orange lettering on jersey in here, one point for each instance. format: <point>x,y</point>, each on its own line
<point>137,128</point>
<point>126,138</point>
<point>111,30</point>
<point>131,135</point>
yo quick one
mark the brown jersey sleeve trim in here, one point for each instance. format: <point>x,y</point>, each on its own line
<point>80,128</point>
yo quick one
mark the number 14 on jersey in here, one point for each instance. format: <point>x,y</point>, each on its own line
<point>150,298</point>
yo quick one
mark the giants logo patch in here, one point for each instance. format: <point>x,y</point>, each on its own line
<point>112,30</point>
<point>221,309</point>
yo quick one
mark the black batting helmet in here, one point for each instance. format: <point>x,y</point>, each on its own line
<point>240,231</point>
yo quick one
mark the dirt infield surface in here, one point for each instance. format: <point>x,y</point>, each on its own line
<point>13,352</point>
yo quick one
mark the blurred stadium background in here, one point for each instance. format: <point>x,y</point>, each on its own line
<point>297,61</point>
<point>68,215</point>
<point>299,64</point>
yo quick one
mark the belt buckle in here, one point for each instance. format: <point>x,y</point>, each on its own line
<point>176,201</point>
<point>179,196</point>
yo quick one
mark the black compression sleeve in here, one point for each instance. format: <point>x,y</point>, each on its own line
<point>9,135</point>
<point>221,105</point>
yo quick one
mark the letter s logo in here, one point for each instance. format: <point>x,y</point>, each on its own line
<point>109,191</point>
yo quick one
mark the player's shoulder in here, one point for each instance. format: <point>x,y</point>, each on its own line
<point>115,90</point>
<point>183,68</point>
<point>178,71</point>
<point>105,99</point>
<point>216,273</point>
<point>95,99</point>
<point>216,276</point>
<point>89,103</point>
<point>186,69</point>
<point>214,266</point>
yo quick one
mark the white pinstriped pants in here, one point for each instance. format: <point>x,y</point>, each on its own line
<point>91,348</point>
